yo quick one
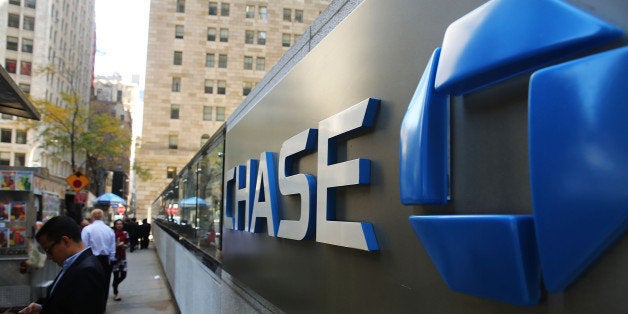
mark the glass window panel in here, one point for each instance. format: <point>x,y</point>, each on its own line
<point>213,8</point>
<point>248,63</point>
<point>249,37</point>
<point>260,64</point>
<point>12,43</point>
<point>29,23</point>
<point>14,20</point>
<point>222,88</point>
<point>285,40</point>
<point>250,11</point>
<point>222,61</point>
<point>261,38</point>
<point>178,31</point>
<point>210,60</point>
<point>207,113</point>
<point>287,15</point>
<point>224,9</point>
<point>224,35</point>
<point>220,113</point>
<point>5,135</point>
<point>20,136</point>
<point>298,16</point>
<point>180,6</point>
<point>211,34</point>
<point>209,86</point>
<point>174,111</point>
<point>178,58</point>
<point>27,45</point>
<point>176,84</point>
<point>263,13</point>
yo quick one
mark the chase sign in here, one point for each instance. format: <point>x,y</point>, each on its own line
<point>577,136</point>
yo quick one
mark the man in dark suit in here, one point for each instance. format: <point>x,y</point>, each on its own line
<point>80,286</point>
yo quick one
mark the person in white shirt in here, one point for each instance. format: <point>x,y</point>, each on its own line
<point>101,239</point>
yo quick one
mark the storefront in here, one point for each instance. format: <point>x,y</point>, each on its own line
<point>414,160</point>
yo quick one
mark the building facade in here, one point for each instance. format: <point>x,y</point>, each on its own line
<point>204,58</point>
<point>48,50</point>
<point>117,98</point>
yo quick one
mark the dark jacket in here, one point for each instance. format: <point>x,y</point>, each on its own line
<point>81,289</point>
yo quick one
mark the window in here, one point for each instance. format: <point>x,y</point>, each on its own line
<point>5,158</point>
<point>27,45</point>
<point>171,172</point>
<point>174,111</point>
<point>246,88</point>
<point>20,136</point>
<point>211,34</point>
<point>10,65</point>
<point>14,20</point>
<point>178,58</point>
<point>224,35</point>
<point>19,160</point>
<point>178,31</point>
<point>16,2</point>
<point>296,37</point>
<point>220,113</point>
<point>26,88</point>
<point>298,16</point>
<point>25,68</point>
<point>209,60</point>
<point>12,43</point>
<point>5,135</point>
<point>261,38</point>
<point>29,23</point>
<point>209,86</point>
<point>285,40</point>
<point>250,11</point>
<point>213,8</point>
<point>224,9</point>
<point>222,88</point>
<point>204,139</point>
<point>222,61</point>
<point>6,117</point>
<point>263,13</point>
<point>176,84</point>
<point>248,63</point>
<point>260,64</point>
<point>249,37</point>
<point>30,3</point>
<point>180,6</point>
<point>207,113</point>
<point>287,15</point>
<point>173,141</point>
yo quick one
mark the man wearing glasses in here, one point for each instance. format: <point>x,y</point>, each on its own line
<point>80,286</point>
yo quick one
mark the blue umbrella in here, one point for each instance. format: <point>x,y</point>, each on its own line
<point>191,201</point>
<point>109,199</point>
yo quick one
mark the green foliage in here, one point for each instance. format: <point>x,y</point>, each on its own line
<point>142,173</point>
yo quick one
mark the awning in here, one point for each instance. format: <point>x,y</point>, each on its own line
<point>12,99</point>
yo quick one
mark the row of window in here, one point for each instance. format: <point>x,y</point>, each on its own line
<point>221,87</point>
<point>28,22</point>
<point>6,136</point>
<point>19,159</point>
<point>173,140</point>
<point>249,12</point>
<point>12,44</point>
<point>210,61</point>
<point>250,36</point>
<point>208,113</point>
<point>27,3</point>
<point>11,66</point>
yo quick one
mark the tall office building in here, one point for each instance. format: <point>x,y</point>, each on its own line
<point>40,34</point>
<point>204,58</point>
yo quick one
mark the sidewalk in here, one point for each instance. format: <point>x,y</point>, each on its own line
<point>145,289</point>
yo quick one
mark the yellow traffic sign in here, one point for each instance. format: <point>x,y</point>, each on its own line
<point>77,181</point>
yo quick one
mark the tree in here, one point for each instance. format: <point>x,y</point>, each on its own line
<point>98,138</point>
<point>61,127</point>
<point>107,144</point>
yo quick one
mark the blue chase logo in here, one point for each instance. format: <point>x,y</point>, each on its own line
<point>577,148</point>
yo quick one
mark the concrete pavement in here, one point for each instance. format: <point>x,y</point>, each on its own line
<point>145,289</point>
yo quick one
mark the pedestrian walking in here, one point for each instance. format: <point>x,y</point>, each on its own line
<point>101,239</point>
<point>120,264</point>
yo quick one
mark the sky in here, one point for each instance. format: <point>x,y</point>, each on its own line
<point>121,37</point>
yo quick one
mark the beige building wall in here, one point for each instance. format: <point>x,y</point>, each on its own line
<point>201,110</point>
